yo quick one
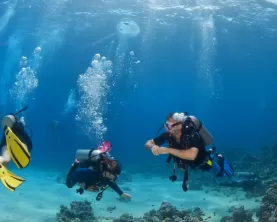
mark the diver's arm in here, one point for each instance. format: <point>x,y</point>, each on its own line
<point>149,144</point>
<point>161,139</point>
<point>189,154</point>
<point>115,187</point>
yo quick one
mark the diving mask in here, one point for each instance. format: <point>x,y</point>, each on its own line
<point>169,126</point>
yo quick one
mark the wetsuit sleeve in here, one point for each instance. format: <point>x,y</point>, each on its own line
<point>82,175</point>
<point>160,140</point>
<point>115,187</point>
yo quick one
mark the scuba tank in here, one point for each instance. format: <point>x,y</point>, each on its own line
<point>203,132</point>
<point>85,155</point>
<point>94,154</point>
<point>197,126</point>
<point>8,121</point>
<point>12,120</point>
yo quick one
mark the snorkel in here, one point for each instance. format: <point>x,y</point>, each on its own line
<point>20,111</point>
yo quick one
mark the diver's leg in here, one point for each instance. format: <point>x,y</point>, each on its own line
<point>81,175</point>
<point>226,167</point>
<point>215,169</point>
<point>220,162</point>
<point>70,181</point>
<point>5,158</point>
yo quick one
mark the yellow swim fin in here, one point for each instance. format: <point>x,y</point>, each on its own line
<point>17,150</point>
<point>9,180</point>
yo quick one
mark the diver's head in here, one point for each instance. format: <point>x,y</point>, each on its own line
<point>8,121</point>
<point>179,123</point>
<point>113,170</point>
<point>114,167</point>
<point>174,123</point>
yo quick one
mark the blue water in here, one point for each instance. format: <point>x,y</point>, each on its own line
<point>216,60</point>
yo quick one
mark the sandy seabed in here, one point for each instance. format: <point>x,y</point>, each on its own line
<point>40,197</point>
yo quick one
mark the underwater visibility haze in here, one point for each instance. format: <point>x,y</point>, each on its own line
<point>95,71</point>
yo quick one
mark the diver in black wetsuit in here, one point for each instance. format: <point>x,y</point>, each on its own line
<point>187,138</point>
<point>95,174</point>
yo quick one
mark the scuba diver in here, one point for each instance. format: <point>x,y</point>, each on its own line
<point>95,170</point>
<point>187,139</point>
<point>16,145</point>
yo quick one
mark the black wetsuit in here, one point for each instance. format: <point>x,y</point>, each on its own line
<point>81,173</point>
<point>185,143</point>
<point>19,130</point>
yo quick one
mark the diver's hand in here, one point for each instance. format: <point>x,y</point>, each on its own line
<point>126,196</point>
<point>156,150</point>
<point>83,185</point>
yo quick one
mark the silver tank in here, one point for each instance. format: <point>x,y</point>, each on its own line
<point>8,121</point>
<point>83,155</point>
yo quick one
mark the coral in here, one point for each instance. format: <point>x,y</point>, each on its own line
<point>268,208</point>
<point>80,211</point>
<point>127,218</point>
<point>263,166</point>
<point>226,219</point>
<point>239,214</point>
<point>166,213</point>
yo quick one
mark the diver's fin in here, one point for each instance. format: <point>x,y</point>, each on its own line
<point>17,150</point>
<point>10,180</point>
<point>228,169</point>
